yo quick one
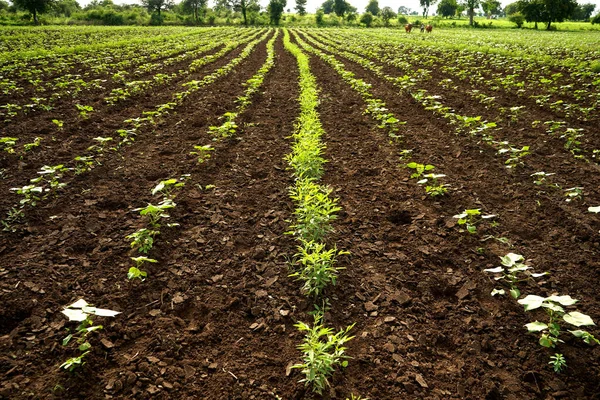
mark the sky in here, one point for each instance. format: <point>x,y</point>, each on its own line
<point>313,5</point>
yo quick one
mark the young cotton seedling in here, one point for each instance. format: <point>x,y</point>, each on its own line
<point>83,164</point>
<point>317,267</point>
<point>551,330</point>
<point>516,155</point>
<point>52,175</point>
<point>36,142</point>
<point>136,272</point>
<point>143,239</point>
<point>8,144</point>
<point>471,218</point>
<point>167,187</point>
<point>512,271</point>
<point>541,179</point>
<point>203,152</point>
<point>419,169</point>
<point>574,193</point>
<point>84,110</point>
<point>31,194</point>
<point>156,213</point>
<point>102,144</point>
<point>434,188</point>
<point>323,351</point>
<point>82,312</point>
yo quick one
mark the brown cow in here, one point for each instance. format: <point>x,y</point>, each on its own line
<point>408,28</point>
<point>429,28</point>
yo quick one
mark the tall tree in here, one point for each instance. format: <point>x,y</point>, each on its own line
<point>386,14</point>
<point>194,6</point>
<point>402,10</point>
<point>583,12</point>
<point>558,10</point>
<point>66,7</point>
<point>301,7</point>
<point>470,6</point>
<point>447,8</point>
<point>327,6</point>
<point>491,7</point>
<point>275,9</point>
<point>372,7</point>
<point>35,7</point>
<point>340,7</point>
<point>425,4</point>
<point>511,8</point>
<point>157,6</point>
<point>245,6</point>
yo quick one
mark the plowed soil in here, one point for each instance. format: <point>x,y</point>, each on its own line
<point>215,318</point>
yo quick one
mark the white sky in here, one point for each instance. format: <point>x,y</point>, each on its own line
<point>313,5</point>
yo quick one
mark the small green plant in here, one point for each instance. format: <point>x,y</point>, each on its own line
<point>203,152</point>
<point>143,239</point>
<point>102,144</point>
<point>58,123</point>
<point>227,128</point>
<point>314,212</point>
<point>52,175</point>
<point>574,193</point>
<point>82,312</point>
<point>31,194</point>
<point>136,272</point>
<point>434,187</point>
<point>516,155</point>
<point>36,142</point>
<point>167,187</point>
<point>541,179</point>
<point>558,362</point>
<point>405,154</point>
<point>551,330</point>
<point>13,216</point>
<point>512,272</point>
<point>156,213</point>
<point>317,269</point>
<point>323,350</point>
<point>84,110</point>
<point>83,164</point>
<point>419,169</point>
<point>8,144</point>
<point>471,218</point>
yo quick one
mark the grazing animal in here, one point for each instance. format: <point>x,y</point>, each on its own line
<point>429,28</point>
<point>408,28</point>
<point>422,28</point>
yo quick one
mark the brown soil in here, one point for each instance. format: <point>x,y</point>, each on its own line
<point>215,318</point>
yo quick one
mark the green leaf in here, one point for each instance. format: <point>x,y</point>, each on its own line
<point>471,228</point>
<point>536,326</point>
<point>344,363</point>
<point>510,259</point>
<point>578,319</point>
<point>515,293</point>
<point>67,339</point>
<point>546,341</point>
<point>531,302</point>
<point>564,300</point>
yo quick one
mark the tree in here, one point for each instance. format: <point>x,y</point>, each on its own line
<point>194,6</point>
<point>517,19</point>
<point>3,5</point>
<point>583,12</point>
<point>558,10</point>
<point>367,19</point>
<point>157,6</point>
<point>244,6</point>
<point>301,7</point>
<point>511,8</point>
<point>425,4</point>
<point>340,7</point>
<point>447,8</point>
<point>66,7</point>
<point>403,10</point>
<point>319,17</point>
<point>327,7</point>
<point>35,7</point>
<point>275,9</point>
<point>596,19</point>
<point>491,7</point>
<point>470,6</point>
<point>372,7</point>
<point>386,14</point>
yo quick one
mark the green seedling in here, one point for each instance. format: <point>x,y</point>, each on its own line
<point>405,154</point>
<point>83,164</point>
<point>36,142</point>
<point>434,188</point>
<point>551,330</point>
<point>558,362</point>
<point>574,193</point>
<point>515,154</point>
<point>102,144</point>
<point>227,128</point>
<point>203,152</point>
<point>84,110</point>
<point>52,175</point>
<point>471,218</point>
<point>82,312</point>
<point>323,350</point>
<point>315,211</point>
<point>143,239</point>
<point>156,213</point>
<point>31,194</point>
<point>136,272</point>
<point>419,169</point>
<point>317,269</point>
<point>8,144</point>
<point>541,179</point>
<point>512,272</point>
<point>167,187</point>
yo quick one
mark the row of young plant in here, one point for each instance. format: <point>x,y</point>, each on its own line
<point>471,126</point>
<point>314,264</point>
<point>513,271</point>
<point>51,178</point>
<point>477,73</point>
<point>72,85</point>
<point>143,239</point>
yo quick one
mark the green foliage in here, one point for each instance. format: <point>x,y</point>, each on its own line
<point>517,18</point>
<point>471,218</point>
<point>323,350</point>
<point>156,213</point>
<point>372,7</point>
<point>203,152</point>
<point>317,269</point>
<point>275,9</point>
<point>143,239</point>
<point>136,272</point>
<point>512,272</point>
<point>366,19</point>
<point>558,362</point>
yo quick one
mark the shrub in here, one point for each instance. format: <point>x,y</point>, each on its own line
<point>367,19</point>
<point>517,19</point>
<point>402,20</point>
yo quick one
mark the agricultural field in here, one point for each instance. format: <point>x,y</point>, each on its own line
<point>230,213</point>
